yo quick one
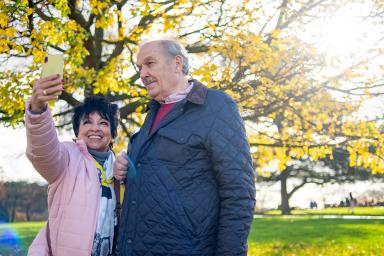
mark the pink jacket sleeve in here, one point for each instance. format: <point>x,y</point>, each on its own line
<point>39,247</point>
<point>47,155</point>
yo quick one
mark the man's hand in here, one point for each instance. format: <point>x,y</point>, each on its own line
<point>120,167</point>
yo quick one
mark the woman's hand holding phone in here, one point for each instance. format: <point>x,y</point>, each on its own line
<point>50,85</point>
<point>44,90</point>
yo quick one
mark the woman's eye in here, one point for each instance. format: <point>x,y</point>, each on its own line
<point>104,123</point>
<point>86,122</point>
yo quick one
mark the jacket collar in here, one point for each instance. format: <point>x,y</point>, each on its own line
<point>83,149</point>
<point>198,93</point>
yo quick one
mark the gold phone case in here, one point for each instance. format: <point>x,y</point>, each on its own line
<point>53,64</point>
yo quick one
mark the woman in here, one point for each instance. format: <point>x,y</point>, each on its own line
<point>81,201</point>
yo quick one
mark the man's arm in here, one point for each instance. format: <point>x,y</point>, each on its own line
<point>232,162</point>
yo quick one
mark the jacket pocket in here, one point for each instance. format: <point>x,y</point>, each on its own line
<point>176,146</point>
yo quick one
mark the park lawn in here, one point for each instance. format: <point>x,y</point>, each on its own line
<point>365,211</point>
<point>16,237</point>
<point>269,236</point>
<point>318,237</point>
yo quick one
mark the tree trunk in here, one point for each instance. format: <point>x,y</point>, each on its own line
<point>27,213</point>
<point>285,209</point>
<point>13,213</point>
<point>4,215</point>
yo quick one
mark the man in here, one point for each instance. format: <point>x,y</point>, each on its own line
<point>192,192</point>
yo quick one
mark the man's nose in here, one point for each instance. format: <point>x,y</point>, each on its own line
<point>143,73</point>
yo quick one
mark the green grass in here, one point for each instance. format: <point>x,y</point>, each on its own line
<point>367,211</point>
<point>270,236</point>
<point>16,237</point>
<point>307,236</point>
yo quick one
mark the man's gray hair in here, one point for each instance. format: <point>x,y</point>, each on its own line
<point>174,49</point>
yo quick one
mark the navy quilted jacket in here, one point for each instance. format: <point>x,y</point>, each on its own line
<point>193,192</point>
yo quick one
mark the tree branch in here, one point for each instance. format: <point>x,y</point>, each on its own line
<point>130,108</point>
<point>69,99</point>
<point>77,16</point>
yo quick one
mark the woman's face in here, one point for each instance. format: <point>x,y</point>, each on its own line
<point>95,131</point>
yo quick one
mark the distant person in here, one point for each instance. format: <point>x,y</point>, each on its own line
<point>194,191</point>
<point>352,203</point>
<point>313,204</point>
<point>347,202</point>
<point>81,200</point>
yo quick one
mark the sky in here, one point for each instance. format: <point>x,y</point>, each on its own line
<point>13,159</point>
<point>14,164</point>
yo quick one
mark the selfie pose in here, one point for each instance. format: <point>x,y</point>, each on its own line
<point>192,192</point>
<point>81,200</point>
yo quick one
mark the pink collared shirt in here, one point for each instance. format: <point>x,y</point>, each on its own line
<point>168,104</point>
<point>178,96</point>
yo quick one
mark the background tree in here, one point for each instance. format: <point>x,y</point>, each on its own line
<point>3,212</point>
<point>34,201</point>
<point>14,198</point>
<point>298,101</point>
<point>333,169</point>
<point>24,199</point>
<point>99,40</point>
<point>287,92</point>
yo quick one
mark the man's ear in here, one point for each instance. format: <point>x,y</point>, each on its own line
<point>178,63</point>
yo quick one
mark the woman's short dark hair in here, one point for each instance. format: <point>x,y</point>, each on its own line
<point>100,105</point>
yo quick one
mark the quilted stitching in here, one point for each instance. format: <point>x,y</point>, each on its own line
<point>172,206</point>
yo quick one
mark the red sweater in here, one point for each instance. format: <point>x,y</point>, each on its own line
<point>161,113</point>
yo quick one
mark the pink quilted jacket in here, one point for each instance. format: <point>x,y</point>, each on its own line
<point>73,191</point>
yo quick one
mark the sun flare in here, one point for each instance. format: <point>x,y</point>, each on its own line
<point>345,33</point>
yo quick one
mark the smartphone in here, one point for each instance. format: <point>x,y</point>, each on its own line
<point>53,64</point>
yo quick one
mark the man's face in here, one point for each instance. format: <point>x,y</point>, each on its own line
<point>157,70</point>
